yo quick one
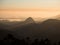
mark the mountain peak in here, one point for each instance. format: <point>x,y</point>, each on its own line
<point>30,20</point>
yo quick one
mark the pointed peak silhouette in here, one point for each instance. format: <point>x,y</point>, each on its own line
<point>29,20</point>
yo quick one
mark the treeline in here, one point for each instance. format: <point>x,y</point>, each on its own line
<point>11,40</point>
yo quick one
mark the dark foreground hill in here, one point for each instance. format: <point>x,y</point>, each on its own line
<point>49,28</point>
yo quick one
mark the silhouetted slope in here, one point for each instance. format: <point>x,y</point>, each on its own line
<point>3,34</point>
<point>49,28</point>
<point>51,24</point>
<point>27,30</point>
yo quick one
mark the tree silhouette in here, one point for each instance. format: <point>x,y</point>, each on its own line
<point>47,42</point>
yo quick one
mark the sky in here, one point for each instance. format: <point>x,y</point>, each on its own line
<point>29,8</point>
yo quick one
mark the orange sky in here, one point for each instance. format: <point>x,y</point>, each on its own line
<point>29,13</point>
<point>29,8</point>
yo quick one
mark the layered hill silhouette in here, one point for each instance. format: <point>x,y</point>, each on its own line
<point>49,28</point>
